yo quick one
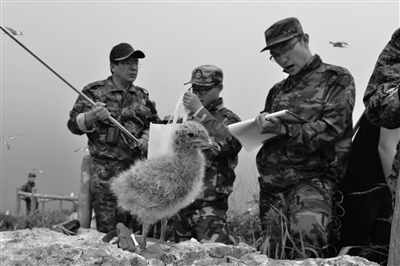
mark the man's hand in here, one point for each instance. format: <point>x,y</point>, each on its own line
<point>191,102</point>
<point>143,144</point>
<point>271,125</point>
<point>98,112</point>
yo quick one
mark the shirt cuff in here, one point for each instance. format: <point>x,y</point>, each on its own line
<point>198,111</point>
<point>80,121</point>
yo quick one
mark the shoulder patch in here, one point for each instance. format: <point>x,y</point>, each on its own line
<point>230,115</point>
<point>143,90</point>
<point>337,69</point>
<point>95,84</point>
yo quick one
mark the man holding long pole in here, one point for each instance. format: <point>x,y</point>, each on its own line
<point>10,32</point>
<point>136,112</point>
<point>111,151</point>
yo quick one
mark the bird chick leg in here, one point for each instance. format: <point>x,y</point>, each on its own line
<point>163,229</point>
<point>145,231</point>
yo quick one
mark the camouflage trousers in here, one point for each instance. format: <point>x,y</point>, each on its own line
<point>308,210</point>
<point>207,225</point>
<point>104,203</point>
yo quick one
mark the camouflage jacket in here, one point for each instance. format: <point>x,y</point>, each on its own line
<point>382,95</point>
<point>27,187</point>
<point>220,174</point>
<point>129,109</point>
<point>325,95</point>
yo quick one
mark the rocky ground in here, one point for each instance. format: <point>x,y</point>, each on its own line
<point>41,246</point>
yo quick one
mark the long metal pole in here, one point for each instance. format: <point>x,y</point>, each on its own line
<point>115,122</point>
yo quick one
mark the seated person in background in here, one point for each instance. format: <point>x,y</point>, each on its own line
<point>27,187</point>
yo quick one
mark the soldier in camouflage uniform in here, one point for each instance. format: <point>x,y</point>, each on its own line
<point>111,150</point>
<point>362,199</point>
<point>205,219</point>
<point>369,180</point>
<point>382,97</point>
<point>300,167</point>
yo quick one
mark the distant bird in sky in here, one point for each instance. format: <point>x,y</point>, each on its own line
<point>9,137</point>
<point>14,32</point>
<point>157,188</point>
<point>339,44</point>
<point>82,149</point>
<point>7,145</point>
<point>39,170</point>
<point>12,136</point>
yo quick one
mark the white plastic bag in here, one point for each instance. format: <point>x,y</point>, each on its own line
<point>161,135</point>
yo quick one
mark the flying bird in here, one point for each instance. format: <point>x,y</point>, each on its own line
<point>157,188</point>
<point>339,44</point>
<point>12,136</point>
<point>7,145</point>
<point>14,32</point>
<point>82,149</point>
<point>39,170</point>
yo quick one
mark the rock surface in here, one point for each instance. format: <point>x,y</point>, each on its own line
<point>41,246</point>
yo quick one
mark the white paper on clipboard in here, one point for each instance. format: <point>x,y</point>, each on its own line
<point>247,133</point>
<point>288,117</point>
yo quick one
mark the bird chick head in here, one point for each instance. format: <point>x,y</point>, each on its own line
<point>193,135</point>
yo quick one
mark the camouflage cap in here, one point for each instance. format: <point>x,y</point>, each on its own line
<point>31,175</point>
<point>123,51</point>
<point>281,31</point>
<point>206,75</point>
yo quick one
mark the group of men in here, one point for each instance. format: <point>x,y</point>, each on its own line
<point>300,168</point>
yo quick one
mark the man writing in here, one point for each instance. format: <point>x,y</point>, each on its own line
<point>299,168</point>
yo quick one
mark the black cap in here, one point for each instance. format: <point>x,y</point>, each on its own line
<point>123,51</point>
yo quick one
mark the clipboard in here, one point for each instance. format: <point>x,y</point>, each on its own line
<point>288,117</point>
<point>247,134</point>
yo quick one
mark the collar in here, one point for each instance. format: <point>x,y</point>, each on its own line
<point>314,63</point>
<point>218,104</point>
<point>113,88</point>
<point>311,65</point>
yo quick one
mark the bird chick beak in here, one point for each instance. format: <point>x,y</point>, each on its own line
<point>211,145</point>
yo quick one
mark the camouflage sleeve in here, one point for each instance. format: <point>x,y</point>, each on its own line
<point>219,131</point>
<point>24,187</point>
<point>151,105</point>
<point>334,121</point>
<point>80,106</point>
<point>381,97</point>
